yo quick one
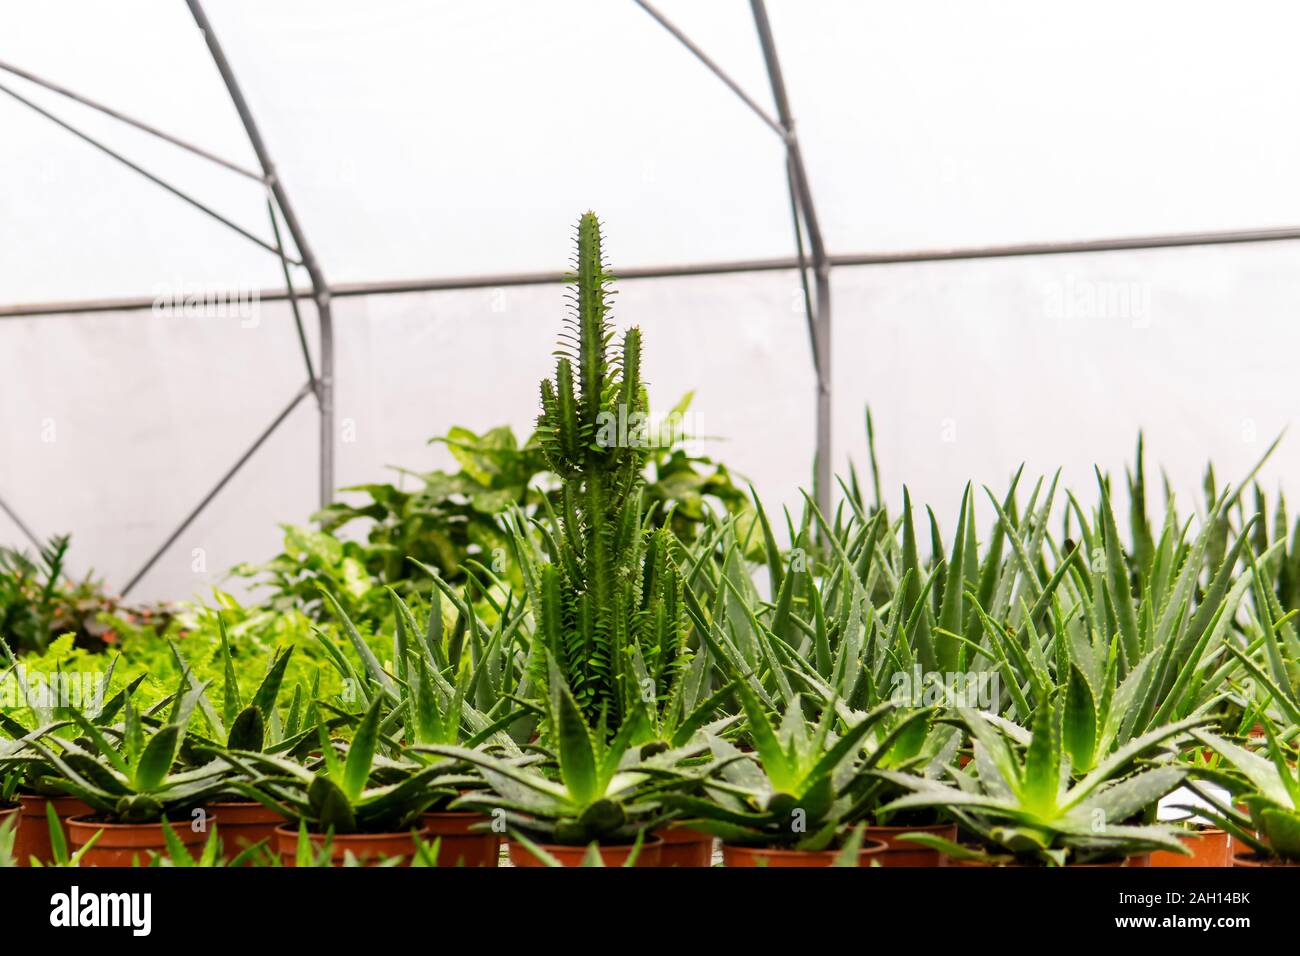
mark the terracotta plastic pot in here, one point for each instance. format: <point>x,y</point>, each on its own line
<point>370,849</point>
<point>33,838</point>
<point>123,844</point>
<point>460,845</point>
<point>685,847</point>
<point>746,856</point>
<point>1210,846</point>
<point>1250,858</point>
<point>651,849</point>
<point>244,823</point>
<point>905,853</point>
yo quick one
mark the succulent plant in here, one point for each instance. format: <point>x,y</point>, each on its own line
<point>339,792</point>
<point>1267,784</point>
<point>592,788</point>
<point>1022,805</point>
<point>805,786</point>
<point>128,772</point>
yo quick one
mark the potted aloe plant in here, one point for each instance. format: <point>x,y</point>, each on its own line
<point>132,783</point>
<point>255,725</point>
<point>802,791</point>
<point>1019,802</point>
<point>1265,787</point>
<point>337,799</point>
<point>590,794</point>
<point>49,717</point>
<point>848,610</point>
<point>427,699</point>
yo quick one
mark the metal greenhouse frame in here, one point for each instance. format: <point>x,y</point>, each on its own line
<point>811,259</point>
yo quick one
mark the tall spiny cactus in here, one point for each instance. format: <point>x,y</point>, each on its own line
<point>610,612</point>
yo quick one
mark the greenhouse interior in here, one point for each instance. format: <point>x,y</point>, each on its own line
<point>745,434</point>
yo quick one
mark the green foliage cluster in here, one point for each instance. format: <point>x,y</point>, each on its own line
<point>643,658</point>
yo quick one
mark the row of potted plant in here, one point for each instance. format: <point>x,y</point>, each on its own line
<point>625,695</point>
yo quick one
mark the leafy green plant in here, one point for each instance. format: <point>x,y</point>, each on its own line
<point>59,855</point>
<point>337,793</point>
<point>255,724</point>
<point>591,788</point>
<point>804,787</point>
<point>8,832</point>
<point>1267,784</point>
<point>1022,805</point>
<point>39,601</point>
<point>179,855</point>
<point>128,772</point>
<point>454,521</point>
<point>591,858</point>
<point>51,716</point>
<point>444,683</point>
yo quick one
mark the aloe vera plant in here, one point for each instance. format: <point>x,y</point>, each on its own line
<point>255,723</point>
<point>1122,664</point>
<point>50,719</point>
<point>805,786</point>
<point>338,792</point>
<point>1267,783</point>
<point>428,695</point>
<point>444,683</point>
<point>593,788</point>
<point>128,772</point>
<point>1022,804</point>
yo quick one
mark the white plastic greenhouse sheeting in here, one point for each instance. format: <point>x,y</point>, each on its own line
<point>440,139</point>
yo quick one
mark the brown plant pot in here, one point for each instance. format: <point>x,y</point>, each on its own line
<point>33,839</point>
<point>244,823</point>
<point>1250,858</point>
<point>1210,846</point>
<point>747,856</point>
<point>370,849</point>
<point>458,844</point>
<point>651,850</point>
<point>905,853</point>
<point>125,844</point>
<point>685,847</point>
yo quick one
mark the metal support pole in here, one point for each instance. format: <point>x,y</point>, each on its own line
<point>342,290</point>
<point>713,67</point>
<point>129,120</point>
<point>216,489</point>
<point>13,516</point>
<point>320,288</point>
<point>292,299</point>
<point>135,167</point>
<point>802,259</point>
<point>821,262</point>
